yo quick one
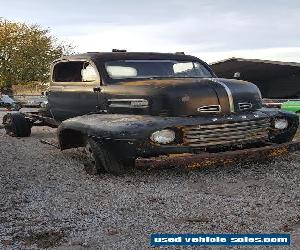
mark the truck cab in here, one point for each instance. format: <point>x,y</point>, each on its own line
<point>144,83</point>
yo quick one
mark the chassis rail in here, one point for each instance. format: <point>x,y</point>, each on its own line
<point>193,161</point>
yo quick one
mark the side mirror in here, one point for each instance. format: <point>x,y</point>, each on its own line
<point>237,75</point>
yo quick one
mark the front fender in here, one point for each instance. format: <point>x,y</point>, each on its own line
<point>109,127</point>
<point>129,134</point>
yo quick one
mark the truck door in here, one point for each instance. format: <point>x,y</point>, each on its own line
<point>72,90</point>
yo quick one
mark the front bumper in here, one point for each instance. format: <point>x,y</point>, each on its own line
<point>192,161</point>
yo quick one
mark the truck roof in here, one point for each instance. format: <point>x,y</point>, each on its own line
<point>104,56</point>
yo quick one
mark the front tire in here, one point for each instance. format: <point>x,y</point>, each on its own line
<point>16,125</point>
<point>102,160</point>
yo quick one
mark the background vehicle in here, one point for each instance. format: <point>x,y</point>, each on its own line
<point>292,106</point>
<point>9,103</point>
<point>141,107</point>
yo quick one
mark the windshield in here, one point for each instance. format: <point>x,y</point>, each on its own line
<point>128,69</point>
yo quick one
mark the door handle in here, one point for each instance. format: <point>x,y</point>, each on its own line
<point>97,89</point>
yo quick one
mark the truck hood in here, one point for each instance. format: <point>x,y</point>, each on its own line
<point>181,97</point>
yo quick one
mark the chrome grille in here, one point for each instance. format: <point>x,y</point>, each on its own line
<point>226,134</point>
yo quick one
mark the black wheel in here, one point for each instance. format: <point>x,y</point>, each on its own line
<point>16,125</point>
<point>93,165</point>
<point>102,160</point>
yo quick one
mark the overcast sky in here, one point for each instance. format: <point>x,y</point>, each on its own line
<point>211,30</point>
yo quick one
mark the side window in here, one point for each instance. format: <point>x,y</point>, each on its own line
<point>190,69</point>
<point>75,71</point>
<point>184,67</point>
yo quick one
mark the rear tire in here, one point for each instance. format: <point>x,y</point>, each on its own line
<point>102,160</point>
<point>16,125</point>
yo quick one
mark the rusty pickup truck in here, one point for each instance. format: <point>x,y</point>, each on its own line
<point>156,109</point>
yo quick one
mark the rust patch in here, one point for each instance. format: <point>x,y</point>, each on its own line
<point>195,165</point>
<point>279,152</point>
<point>204,163</point>
<point>179,155</point>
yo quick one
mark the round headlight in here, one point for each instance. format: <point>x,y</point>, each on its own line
<point>164,136</point>
<point>281,124</point>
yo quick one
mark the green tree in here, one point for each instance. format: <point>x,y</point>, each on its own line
<point>26,52</point>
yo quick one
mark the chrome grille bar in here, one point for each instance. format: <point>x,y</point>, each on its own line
<point>228,137</point>
<point>224,125</point>
<point>213,136</point>
<point>228,133</point>
<point>227,129</point>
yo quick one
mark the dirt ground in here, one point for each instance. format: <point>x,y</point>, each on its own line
<point>48,201</point>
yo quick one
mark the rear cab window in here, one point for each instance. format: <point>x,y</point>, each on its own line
<point>75,72</point>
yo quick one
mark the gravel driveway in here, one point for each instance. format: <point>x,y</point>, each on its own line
<point>48,201</point>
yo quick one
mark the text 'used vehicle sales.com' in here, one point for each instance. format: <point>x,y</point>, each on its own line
<point>220,239</point>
